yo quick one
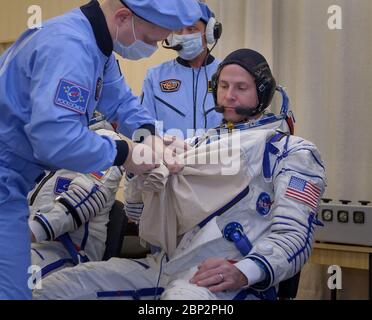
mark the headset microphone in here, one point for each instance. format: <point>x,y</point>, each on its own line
<point>166,45</point>
<point>248,112</point>
<point>219,109</point>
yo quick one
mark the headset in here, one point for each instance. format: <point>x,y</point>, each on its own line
<point>213,31</point>
<point>265,84</point>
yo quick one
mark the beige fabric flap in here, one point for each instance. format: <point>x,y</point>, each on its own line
<point>175,204</point>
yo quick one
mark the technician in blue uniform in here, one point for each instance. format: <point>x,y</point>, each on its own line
<point>51,81</point>
<point>178,92</point>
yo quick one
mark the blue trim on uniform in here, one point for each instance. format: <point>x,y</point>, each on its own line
<point>86,235</point>
<point>270,149</point>
<point>209,110</point>
<point>306,253</point>
<point>94,190</point>
<point>298,240</point>
<point>46,225</point>
<point>308,236</point>
<point>140,263</point>
<point>286,247</point>
<point>270,271</point>
<point>55,265</point>
<point>170,106</point>
<point>38,253</point>
<point>67,242</point>
<point>269,294</point>
<point>292,219</point>
<point>135,294</point>
<point>294,231</point>
<point>226,207</point>
<point>291,250</point>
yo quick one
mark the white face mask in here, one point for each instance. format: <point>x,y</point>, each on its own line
<point>192,45</point>
<point>137,50</point>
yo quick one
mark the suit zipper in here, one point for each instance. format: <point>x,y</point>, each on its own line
<point>41,184</point>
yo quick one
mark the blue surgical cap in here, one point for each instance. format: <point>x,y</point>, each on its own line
<point>206,12</point>
<point>169,14</point>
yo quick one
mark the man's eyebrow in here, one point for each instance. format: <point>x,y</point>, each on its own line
<point>235,82</point>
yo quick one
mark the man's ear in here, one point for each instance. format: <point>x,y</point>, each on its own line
<point>122,16</point>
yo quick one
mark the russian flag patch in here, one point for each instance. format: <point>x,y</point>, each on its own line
<point>72,96</point>
<point>99,175</point>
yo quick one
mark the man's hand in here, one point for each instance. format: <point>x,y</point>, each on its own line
<point>141,158</point>
<point>167,153</point>
<point>218,274</point>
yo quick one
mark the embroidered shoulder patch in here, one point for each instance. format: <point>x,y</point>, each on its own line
<point>263,204</point>
<point>171,85</point>
<point>61,185</point>
<point>72,96</point>
<point>303,191</point>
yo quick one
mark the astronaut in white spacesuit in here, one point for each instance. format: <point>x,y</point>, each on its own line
<point>70,213</point>
<point>244,249</point>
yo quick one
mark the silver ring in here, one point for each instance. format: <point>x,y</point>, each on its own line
<point>221,276</point>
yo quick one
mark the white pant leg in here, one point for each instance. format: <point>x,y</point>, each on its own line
<point>183,290</point>
<point>86,280</point>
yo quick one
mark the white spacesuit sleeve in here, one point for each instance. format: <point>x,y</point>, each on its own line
<point>252,271</point>
<point>86,197</point>
<point>133,204</point>
<point>298,178</point>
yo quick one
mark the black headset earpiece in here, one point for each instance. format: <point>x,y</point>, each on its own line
<point>214,84</point>
<point>266,85</point>
<point>217,30</point>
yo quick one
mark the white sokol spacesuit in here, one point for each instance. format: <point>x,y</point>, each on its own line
<point>270,224</point>
<point>69,215</point>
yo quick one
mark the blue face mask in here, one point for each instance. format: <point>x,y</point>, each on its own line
<point>137,50</point>
<point>192,45</point>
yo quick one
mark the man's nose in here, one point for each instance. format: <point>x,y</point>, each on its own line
<point>230,94</point>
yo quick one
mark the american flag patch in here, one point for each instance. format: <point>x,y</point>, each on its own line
<point>303,191</point>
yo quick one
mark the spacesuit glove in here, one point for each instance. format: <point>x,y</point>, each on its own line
<point>83,199</point>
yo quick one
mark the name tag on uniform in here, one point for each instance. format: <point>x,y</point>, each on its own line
<point>72,96</point>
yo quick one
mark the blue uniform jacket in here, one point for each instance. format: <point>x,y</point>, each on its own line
<point>51,81</point>
<point>181,96</point>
